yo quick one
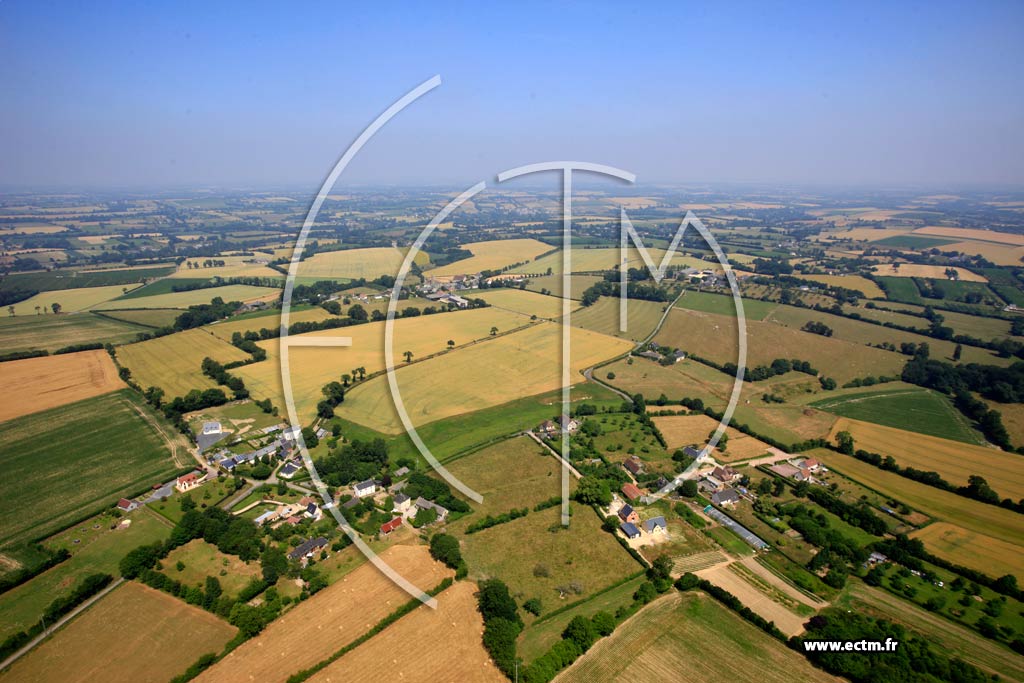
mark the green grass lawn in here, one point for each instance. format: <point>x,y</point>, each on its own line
<point>99,549</point>
<point>918,410</point>
<point>202,560</point>
<point>71,279</point>
<point>723,304</point>
<point>61,463</point>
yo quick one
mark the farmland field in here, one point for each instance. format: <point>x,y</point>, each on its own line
<point>234,266</point>
<point>150,317</point>
<point>173,362</point>
<point>691,633</point>
<point>974,550</point>
<point>988,522</point>
<point>46,281</point>
<point>52,332</point>
<point>856,282</point>
<point>202,560</point>
<point>94,547</point>
<point>313,367</point>
<point>463,381</point>
<point>972,234</point>
<point>193,297</point>
<point>334,617</point>
<point>683,430</point>
<point>753,597</point>
<point>940,631</point>
<point>723,304</point>
<point>928,272</point>
<point>353,264</point>
<point>592,260</point>
<point>35,384</point>
<point>913,242</point>
<point>456,623</point>
<point>641,317</point>
<point>525,302</point>
<point>546,555</point>
<point>492,255</point>
<point>1000,254</point>
<point>70,300</point>
<point>135,633</point>
<point>954,461</point>
<point>861,332</point>
<point>903,407</point>
<point>715,337</point>
<point>271,321</point>
<point>901,289</point>
<point>92,468</point>
<point>553,284</point>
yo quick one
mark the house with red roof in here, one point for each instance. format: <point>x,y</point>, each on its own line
<point>189,481</point>
<point>388,527</point>
<point>631,492</point>
<point>125,505</point>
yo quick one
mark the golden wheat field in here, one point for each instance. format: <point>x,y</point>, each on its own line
<point>174,362</point>
<point>926,271</point>
<point>492,255</point>
<point>972,234</point>
<point>313,367</point>
<point>35,384</point>
<point>971,549</point>
<point>683,430</point>
<point>857,282</point>
<point>352,264</point>
<point>484,375</point>
<point>333,618</point>
<point>70,300</point>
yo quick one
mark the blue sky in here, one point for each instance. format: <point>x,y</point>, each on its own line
<point>181,94</point>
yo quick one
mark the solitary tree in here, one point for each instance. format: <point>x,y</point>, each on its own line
<point>346,378</point>
<point>362,372</point>
<point>494,331</point>
<point>408,356</point>
<point>10,311</point>
<point>55,307</point>
<point>451,343</point>
<point>37,310</point>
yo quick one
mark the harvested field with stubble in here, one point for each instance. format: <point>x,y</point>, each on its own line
<point>683,430</point>
<point>411,649</point>
<point>855,282</point>
<point>715,337</point>
<point>193,297</point>
<point>174,362</point>
<point>492,255</point>
<point>135,633</point>
<point>493,372</point>
<point>691,633</point>
<point>525,302</point>
<point>352,264</point>
<point>976,551</point>
<point>52,332</point>
<point>328,621</point>
<point>32,385</point>
<point>953,460</point>
<point>70,300</point>
<point>641,317</point>
<point>926,271</point>
<point>724,577</point>
<point>313,367</point>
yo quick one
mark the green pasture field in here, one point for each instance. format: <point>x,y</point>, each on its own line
<point>148,317</point>
<point>1010,293</point>
<point>535,554</point>
<point>99,549</point>
<point>956,290</point>
<point>63,462</point>
<point>202,560</point>
<point>914,409</point>
<point>165,286</point>
<point>52,332</point>
<point>723,304</point>
<point>901,289</point>
<point>553,284</point>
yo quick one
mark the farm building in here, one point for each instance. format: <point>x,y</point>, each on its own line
<point>789,471</point>
<point>631,492</point>
<point>424,504</point>
<point>400,472</point>
<point>402,503</point>
<point>308,548</point>
<point>711,483</point>
<point>630,530</point>
<point>388,527</point>
<point>633,465</point>
<point>268,516</point>
<point>125,505</point>
<point>726,497</point>
<point>725,474</point>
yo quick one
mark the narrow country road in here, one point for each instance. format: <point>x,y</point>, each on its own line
<point>60,622</point>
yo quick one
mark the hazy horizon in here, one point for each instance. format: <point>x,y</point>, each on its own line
<point>189,96</point>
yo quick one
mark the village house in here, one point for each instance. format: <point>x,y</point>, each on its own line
<point>365,488</point>
<point>402,503</point>
<point>307,549</point>
<point>631,492</point>
<point>655,525</point>
<point>789,471</point>
<point>125,505</point>
<point>630,530</point>
<point>424,504</point>
<point>710,483</point>
<point>268,516</point>
<point>289,470</point>
<point>691,452</point>
<point>725,474</point>
<point>651,355</point>
<point>628,514</point>
<point>807,465</point>
<point>189,481</point>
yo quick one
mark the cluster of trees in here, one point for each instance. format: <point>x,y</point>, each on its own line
<point>204,314</point>
<point>859,515</point>
<point>815,327</point>
<point>913,660</point>
<point>419,484</point>
<point>502,624</point>
<point>89,586</point>
<point>354,461</point>
<point>610,286</point>
<point>220,375</point>
<point>445,548</point>
<point>815,529</point>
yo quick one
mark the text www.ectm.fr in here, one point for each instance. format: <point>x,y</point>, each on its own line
<point>888,645</point>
